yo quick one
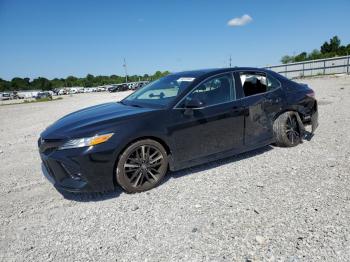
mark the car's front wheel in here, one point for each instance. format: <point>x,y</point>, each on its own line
<point>142,166</point>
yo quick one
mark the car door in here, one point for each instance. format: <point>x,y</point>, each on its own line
<point>263,97</point>
<point>213,127</point>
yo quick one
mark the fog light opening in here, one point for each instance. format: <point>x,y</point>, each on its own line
<point>76,176</point>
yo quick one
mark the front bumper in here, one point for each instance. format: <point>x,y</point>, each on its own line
<point>310,115</point>
<point>314,120</point>
<point>88,169</point>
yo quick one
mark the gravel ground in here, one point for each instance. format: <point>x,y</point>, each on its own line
<point>289,204</point>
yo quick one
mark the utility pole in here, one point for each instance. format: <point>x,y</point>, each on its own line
<point>347,68</point>
<point>126,71</point>
<point>230,61</point>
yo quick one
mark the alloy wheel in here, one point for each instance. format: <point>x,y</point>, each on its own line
<point>144,165</point>
<point>292,130</point>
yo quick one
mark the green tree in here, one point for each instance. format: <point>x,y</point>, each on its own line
<point>287,59</point>
<point>89,80</point>
<point>165,73</point>
<point>58,83</point>
<point>332,46</point>
<point>18,83</point>
<point>325,48</point>
<point>301,57</point>
<point>335,44</point>
<point>71,81</point>
<point>41,83</point>
<point>328,49</point>
<point>145,77</point>
<point>4,85</point>
<point>315,54</point>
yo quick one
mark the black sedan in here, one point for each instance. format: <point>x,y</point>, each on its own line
<point>42,95</point>
<point>178,121</point>
<point>119,88</point>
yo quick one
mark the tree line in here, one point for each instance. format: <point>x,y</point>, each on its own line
<point>329,49</point>
<point>42,83</point>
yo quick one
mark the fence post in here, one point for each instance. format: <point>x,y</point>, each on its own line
<point>285,74</point>
<point>303,69</point>
<point>324,67</point>
<point>347,68</point>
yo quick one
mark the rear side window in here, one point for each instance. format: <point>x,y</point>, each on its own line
<point>272,83</point>
<point>253,83</point>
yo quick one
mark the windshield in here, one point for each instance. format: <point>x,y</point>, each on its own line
<point>159,93</point>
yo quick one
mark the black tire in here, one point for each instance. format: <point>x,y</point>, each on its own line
<point>142,166</point>
<point>286,130</point>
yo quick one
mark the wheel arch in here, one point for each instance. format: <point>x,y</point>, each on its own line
<point>155,138</point>
<point>299,115</point>
<point>295,110</point>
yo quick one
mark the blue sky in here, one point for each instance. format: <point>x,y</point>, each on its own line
<point>77,37</point>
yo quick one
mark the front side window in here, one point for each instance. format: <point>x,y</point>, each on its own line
<point>217,90</point>
<point>253,83</point>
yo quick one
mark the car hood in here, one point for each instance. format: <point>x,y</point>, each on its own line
<point>91,120</point>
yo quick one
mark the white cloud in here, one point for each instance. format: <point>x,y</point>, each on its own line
<point>240,21</point>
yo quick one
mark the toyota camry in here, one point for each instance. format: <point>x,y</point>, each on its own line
<point>181,120</point>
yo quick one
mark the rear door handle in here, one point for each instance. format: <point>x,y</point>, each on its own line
<point>241,109</point>
<point>273,100</point>
<point>238,108</point>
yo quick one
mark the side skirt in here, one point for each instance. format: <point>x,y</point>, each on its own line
<point>198,161</point>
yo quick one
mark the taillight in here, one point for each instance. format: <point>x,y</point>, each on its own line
<point>311,93</point>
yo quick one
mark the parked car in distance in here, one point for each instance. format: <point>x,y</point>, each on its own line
<point>73,90</point>
<point>131,86</point>
<point>178,121</point>
<point>6,96</point>
<point>110,88</point>
<point>119,88</point>
<point>101,89</point>
<point>138,85</point>
<point>87,90</point>
<point>42,95</point>
<point>61,92</point>
<point>16,95</point>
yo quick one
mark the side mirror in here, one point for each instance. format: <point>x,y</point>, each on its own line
<point>194,103</point>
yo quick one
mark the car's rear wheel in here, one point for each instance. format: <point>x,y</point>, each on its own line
<point>286,130</point>
<point>142,166</point>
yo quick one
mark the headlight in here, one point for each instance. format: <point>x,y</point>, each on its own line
<point>87,141</point>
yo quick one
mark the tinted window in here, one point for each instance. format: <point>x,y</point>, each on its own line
<point>253,83</point>
<point>214,91</point>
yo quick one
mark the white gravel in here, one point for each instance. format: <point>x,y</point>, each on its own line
<point>284,204</point>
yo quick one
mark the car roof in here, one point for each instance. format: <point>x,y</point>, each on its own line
<point>213,71</point>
